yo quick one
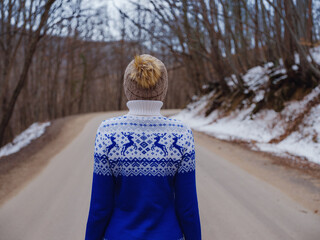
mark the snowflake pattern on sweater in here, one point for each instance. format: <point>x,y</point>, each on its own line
<point>144,184</point>
<point>140,151</point>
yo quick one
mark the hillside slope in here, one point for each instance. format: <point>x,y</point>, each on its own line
<point>292,132</point>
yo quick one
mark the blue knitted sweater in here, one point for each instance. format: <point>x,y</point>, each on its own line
<point>144,185</point>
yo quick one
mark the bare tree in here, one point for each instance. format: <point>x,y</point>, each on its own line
<point>32,45</point>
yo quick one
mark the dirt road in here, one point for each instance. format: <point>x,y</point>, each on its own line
<point>234,204</point>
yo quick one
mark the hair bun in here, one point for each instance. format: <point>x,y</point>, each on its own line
<point>146,71</point>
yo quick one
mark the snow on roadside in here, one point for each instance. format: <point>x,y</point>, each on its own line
<point>23,139</point>
<point>304,143</point>
<point>260,128</point>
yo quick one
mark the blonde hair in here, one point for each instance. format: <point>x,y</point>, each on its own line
<point>146,71</point>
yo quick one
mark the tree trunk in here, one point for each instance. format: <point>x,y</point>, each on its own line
<point>23,76</point>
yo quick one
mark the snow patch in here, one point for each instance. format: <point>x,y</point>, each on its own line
<point>23,139</point>
<point>260,128</point>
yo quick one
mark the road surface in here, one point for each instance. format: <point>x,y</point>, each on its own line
<point>233,203</point>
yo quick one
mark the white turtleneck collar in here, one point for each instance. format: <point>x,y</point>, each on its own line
<point>144,107</point>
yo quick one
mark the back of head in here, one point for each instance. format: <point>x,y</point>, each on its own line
<point>145,78</point>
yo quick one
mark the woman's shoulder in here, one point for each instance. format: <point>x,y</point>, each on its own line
<point>182,123</point>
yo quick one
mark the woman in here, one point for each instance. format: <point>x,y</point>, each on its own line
<point>144,184</point>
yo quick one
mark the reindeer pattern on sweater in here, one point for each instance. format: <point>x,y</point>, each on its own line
<point>134,151</point>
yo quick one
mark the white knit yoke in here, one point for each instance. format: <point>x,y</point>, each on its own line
<point>144,107</point>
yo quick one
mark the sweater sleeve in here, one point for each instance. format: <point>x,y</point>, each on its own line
<point>186,201</point>
<point>102,192</point>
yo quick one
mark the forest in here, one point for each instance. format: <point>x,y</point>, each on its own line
<point>66,57</point>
